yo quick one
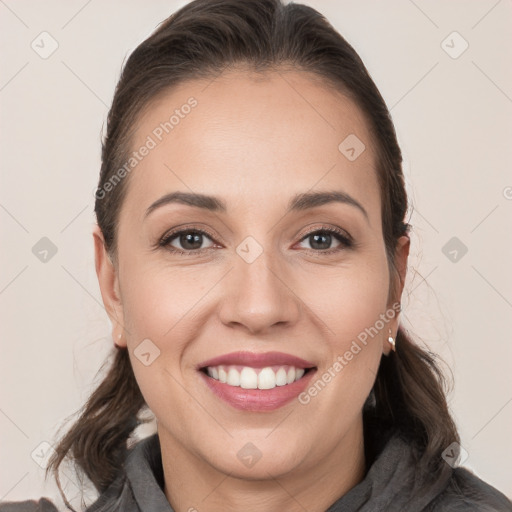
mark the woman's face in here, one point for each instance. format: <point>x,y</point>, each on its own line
<point>256,277</point>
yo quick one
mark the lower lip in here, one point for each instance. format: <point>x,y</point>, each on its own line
<point>258,399</point>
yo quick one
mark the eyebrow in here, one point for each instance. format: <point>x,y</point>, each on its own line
<point>299,202</point>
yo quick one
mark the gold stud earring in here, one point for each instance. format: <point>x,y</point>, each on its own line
<point>391,341</point>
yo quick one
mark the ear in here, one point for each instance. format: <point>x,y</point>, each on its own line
<point>109,286</point>
<point>401,258</point>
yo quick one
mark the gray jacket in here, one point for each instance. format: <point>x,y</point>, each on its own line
<point>393,483</point>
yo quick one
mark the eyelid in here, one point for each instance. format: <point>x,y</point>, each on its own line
<point>329,229</point>
<point>344,238</point>
<point>178,230</point>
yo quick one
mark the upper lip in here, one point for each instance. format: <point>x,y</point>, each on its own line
<point>257,360</point>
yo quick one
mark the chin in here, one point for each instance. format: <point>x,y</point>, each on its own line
<point>258,457</point>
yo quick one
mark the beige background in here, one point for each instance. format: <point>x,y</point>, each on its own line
<point>453,117</point>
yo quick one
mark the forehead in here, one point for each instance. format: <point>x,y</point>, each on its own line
<point>254,140</point>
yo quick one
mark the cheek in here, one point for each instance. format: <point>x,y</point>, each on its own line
<point>349,300</point>
<point>167,307</point>
<point>159,305</point>
<point>157,298</point>
<point>350,306</point>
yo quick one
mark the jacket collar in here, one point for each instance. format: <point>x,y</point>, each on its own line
<point>394,480</point>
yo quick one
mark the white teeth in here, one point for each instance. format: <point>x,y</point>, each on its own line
<point>248,378</point>
<point>267,379</point>
<point>233,377</point>
<point>281,377</point>
<point>255,378</point>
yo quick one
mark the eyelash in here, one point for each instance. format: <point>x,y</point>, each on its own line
<point>341,236</point>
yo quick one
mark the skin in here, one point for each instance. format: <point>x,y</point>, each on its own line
<point>255,142</point>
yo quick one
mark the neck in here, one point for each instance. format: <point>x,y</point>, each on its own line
<point>193,485</point>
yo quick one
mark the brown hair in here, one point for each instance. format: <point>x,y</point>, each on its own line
<point>201,40</point>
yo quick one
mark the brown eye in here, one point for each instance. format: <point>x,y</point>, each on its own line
<point>321,240</point>
<point>189,240</point>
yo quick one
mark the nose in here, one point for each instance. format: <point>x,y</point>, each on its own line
<point>259,296</point>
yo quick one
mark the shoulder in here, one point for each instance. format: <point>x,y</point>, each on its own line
<point>42,505</point>
<point>466,492</point>
<point>140,475</point>
<point>117,496</point>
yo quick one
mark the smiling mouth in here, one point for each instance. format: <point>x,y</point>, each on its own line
<point>247,377</point>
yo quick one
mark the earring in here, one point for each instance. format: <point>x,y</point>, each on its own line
<point>392,341</point>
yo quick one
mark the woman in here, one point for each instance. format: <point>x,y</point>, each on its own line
<point>251,252</point>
